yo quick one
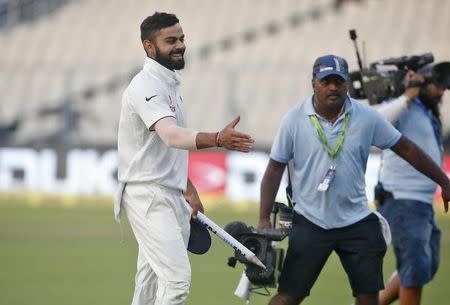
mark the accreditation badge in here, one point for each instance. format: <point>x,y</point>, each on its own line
<point>325,184</point>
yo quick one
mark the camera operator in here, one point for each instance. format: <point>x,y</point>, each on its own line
<point>408,194</point>
<point>328,137</point>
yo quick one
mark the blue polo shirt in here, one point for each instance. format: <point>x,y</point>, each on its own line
<point>397,175</point>
<point>345,201</point>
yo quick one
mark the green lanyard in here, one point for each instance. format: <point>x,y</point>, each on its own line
<point>323,138</point>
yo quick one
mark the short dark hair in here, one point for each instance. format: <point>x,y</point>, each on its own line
<point>156,22</point>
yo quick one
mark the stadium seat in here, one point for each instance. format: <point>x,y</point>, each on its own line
<point>257,63</point>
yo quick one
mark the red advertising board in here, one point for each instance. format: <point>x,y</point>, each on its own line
<point>446,167</point>
<point>208,172</point>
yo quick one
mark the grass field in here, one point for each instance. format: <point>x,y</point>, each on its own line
<point>56,255</point>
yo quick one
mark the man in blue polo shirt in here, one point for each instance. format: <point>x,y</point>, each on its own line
<point>328,136</point>
<point>410,195</point>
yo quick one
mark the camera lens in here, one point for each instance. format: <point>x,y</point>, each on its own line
<point>253,245</point>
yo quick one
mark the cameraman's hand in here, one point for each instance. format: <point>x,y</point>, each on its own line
<point>414,80</point>
<point>264,224</point>
<point>445,191</point>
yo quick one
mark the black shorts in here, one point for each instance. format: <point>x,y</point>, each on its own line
<point>360,247</point>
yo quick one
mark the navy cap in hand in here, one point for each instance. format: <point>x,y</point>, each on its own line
<point>199,240</point>
<point>330,65</point>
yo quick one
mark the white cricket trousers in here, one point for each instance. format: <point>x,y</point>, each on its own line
<point>160,220</point>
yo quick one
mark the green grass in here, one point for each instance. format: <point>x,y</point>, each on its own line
<point>53,255</point>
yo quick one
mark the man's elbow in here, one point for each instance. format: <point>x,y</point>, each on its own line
<point>166,138</point>
<point>170,141</point>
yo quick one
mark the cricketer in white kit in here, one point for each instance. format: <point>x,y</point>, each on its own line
<point>153,142</point>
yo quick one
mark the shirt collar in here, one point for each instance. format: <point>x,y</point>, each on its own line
<point>171,78</point>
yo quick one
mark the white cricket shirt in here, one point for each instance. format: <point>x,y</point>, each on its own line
<point>154,93</point>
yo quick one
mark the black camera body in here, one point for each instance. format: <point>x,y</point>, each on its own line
<point>380,194</point>
<point>438,74</point>
<point>384,78</point>
<point>260,242</point>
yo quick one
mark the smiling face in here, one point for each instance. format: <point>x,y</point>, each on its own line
<point>330,91</point>
<point>167,47</point>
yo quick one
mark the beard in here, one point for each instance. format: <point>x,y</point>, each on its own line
<point>431,103</point>
<point>429,100</point>
<point>166,60</point>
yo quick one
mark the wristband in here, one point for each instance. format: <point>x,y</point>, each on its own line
<point>217,139</point>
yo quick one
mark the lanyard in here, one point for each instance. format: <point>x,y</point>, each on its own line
<point>323,138</point>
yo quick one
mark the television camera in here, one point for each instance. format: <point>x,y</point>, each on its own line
<point>262,242</point>
<point>384,79</point>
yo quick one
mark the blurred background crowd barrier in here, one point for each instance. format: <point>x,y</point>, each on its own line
<point>65,63</point>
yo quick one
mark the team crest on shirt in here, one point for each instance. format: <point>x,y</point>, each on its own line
<point>171,105</point>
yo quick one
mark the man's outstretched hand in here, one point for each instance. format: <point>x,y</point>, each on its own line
<point>231,139</point>
<point>445,191</point>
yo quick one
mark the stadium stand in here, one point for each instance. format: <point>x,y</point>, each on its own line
<point>62,74</point>
<point>13,12</point>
